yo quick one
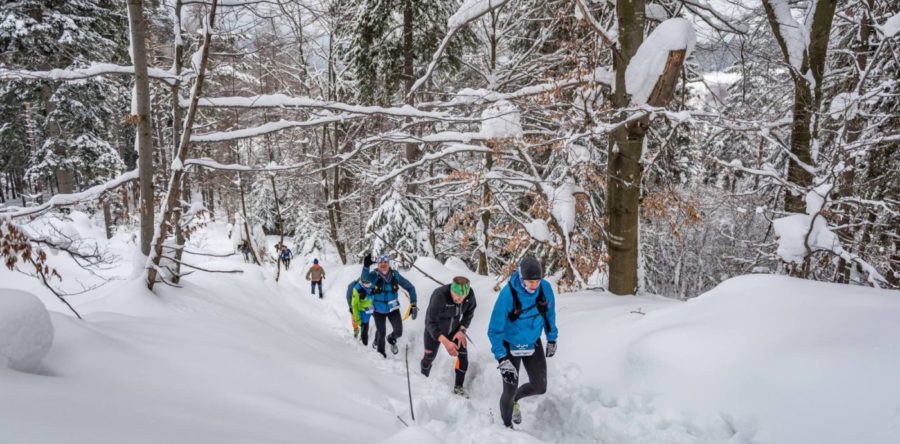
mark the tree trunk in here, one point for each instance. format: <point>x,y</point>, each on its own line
<point>175,182</point>
<point>247,235</point>
<point>624,170</point>
<point>807,97</point>
<point>176,138</point>
<point>144,130</point>
<point>625,150</point>
<point>107,218</point>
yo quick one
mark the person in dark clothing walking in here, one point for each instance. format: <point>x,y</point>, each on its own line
<point>286,255</point>
<point>525,308</point>
<point>449,315</point>
<point>385,293</point>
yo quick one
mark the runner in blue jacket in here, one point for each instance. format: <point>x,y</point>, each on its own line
<point>525,308</point>
<point>385,293</point>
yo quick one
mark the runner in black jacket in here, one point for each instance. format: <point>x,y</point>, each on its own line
<point>449,314</point>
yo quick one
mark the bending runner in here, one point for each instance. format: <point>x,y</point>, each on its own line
<point>449,315</point>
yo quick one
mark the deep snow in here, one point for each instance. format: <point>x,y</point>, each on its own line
<point>243,359</point>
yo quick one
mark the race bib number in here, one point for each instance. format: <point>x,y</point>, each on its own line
<point>394,304</point>
<point>521,350</point>
<point>370,309</point>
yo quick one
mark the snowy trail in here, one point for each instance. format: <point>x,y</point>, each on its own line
<point>570,412</point>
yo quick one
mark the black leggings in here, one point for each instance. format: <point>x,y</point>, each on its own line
<point>364,333</point>
<point>380,327</point>
<point>536,367</point>
<point>319,284</point>
<point>431,347</point>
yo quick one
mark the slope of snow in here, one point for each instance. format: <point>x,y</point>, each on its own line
<point>242,358</point>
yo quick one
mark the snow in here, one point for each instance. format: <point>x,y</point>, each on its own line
<point>95,69</point>
<point>282,100</point>
<point>70,199</point>
<point>538,229</point>
<point>270,127</point>
<point>240,358</point>
<point>562,203</point>
<point>891,26</point>
<point>26,333</point>
<point>844,105</point>
<point>796,36</point>
<point>472,9</point>
<point>649,61</point>
<point>501,119</point>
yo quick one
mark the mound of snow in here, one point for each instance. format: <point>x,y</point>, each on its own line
<point>501,119</point>
<point>456,264</point>
<point>26,333</point>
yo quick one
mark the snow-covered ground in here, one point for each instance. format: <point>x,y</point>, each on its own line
<point>240,358</point>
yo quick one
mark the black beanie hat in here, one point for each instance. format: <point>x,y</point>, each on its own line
<point>530,269</point>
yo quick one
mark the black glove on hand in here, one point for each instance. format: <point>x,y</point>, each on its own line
<point>551,349</point>
<point>367,260</point>
<point>508,371</point>
<point>413,311</point>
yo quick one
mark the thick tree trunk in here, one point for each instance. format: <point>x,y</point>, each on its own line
<point>144,130</point>
<point>624,169</point>
<point>625,150</point>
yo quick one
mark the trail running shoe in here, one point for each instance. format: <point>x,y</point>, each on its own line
<point>459,390</point>
<point>394,348</point>
<point>517,414</point>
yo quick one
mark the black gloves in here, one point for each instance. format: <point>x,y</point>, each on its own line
<point>367,259</point>
<point>551,349</point>
<point>508,371</point>
<point>413,311</point>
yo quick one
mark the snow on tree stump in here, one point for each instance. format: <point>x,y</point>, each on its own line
<point>26,332</point>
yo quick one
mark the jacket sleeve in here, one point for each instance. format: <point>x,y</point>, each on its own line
<point>432,315</point>
<point>355,305</point>
<point>551,311</point>
<point>470,311</point>
<point>308,273</point>
<point>350,291</point>
<point>497,325</point>
<point>408,286</point>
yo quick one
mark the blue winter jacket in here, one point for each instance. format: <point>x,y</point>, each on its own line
<point>525,331</point>
<point>384,297</point>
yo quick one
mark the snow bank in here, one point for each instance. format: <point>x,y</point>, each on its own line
<point>26,333</point>
<point>649,61</point>
<point>782,360</point>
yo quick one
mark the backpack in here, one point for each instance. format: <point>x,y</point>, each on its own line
<point>543,305</point>
<point>377,285</point>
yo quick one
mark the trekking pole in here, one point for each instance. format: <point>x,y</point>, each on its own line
<point>391,246</point>
<point>412,413</point>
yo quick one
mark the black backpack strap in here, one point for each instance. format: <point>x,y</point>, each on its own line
<point>542,304</point>
<point>517,304</point>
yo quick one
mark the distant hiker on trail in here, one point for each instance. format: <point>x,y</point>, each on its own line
<point>286,255</point>
<point>448,317</point>
<point>525,307</point>
<point>244,248</point>
<point>361,307</point>
<point>386,284</point>
<point>315,274</point>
